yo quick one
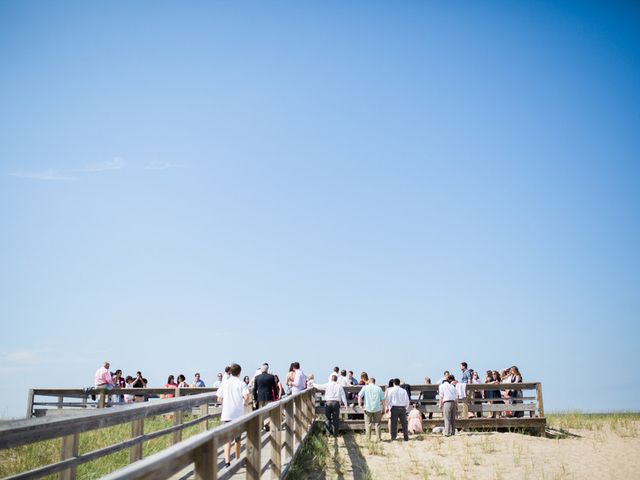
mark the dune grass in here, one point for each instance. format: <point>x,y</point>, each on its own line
<point>624,424</point>
<point>312,457</point>
<point>38,454</point>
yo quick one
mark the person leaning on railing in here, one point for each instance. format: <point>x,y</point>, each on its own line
<point>103,379</point>
<point>333,396</point>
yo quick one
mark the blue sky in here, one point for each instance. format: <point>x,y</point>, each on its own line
<point>386,186</point>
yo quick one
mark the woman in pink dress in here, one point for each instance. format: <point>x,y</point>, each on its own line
<point>170,384</point>
<point>415,421</point>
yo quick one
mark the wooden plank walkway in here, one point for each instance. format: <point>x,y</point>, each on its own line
<point>237,469</point>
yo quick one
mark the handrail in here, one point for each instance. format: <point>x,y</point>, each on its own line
<point>202,449</point>
<point>68,429</point>
<point>22,432</point>
<point>101,395</point>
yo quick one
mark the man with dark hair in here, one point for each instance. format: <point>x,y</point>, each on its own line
<point>466,378</point>
<point>197,381</point>
<point>299,379</point>
<point>398,401</point>
<point>218,382</point>
<point>336,372</point>
<point>449,405</point>
<point>342,379</point>
<point>445,375</point>
<point>333,395</point>
<point>373,399</point>
<point>233,394</point>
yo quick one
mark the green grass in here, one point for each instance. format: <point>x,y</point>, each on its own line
<point>312,457</point>
<point>624,424</point>
<point>27,457</point>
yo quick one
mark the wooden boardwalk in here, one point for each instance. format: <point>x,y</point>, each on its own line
<point>264,454</point>
<point>237,469</point>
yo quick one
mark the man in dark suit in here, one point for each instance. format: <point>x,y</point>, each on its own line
<point>264,389</point>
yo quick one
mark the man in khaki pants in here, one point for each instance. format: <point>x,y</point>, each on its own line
<point>449,405</point>
<point>373,398</point>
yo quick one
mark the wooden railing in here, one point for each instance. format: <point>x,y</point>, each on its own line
<point>201,450</point>
<point>475,410</point>
<point>290,418</point>
<point>68,429</point>
<point>57,400</point>
<point>294,413</point>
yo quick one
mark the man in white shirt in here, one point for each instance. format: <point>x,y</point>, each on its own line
<point>336,372</point>
<point>398,401</point>
<point>218,382</point>
<point>449,405</point>
<point>342,379</point>
<point>444,377</point>
<point>333,395</point>
<point>233,394</point>
<point>299,379</point>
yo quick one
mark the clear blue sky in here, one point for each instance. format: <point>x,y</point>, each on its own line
<point>386,186</point>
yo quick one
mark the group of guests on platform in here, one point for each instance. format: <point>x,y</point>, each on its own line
<point>106,379</point>
<point>392,404</point>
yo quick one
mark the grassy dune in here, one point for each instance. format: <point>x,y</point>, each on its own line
<point>583,446</point>
<point>623,424</point>
<point>320,458</point>
<point>27,457</point>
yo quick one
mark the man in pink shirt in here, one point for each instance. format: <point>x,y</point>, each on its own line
<point>103,377</point>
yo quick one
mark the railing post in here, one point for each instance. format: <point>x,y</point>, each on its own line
<point>206,461</point>
<point>102,399</point>
<point>30,396</point>
<point>465,403</point>
<point>288,410</point>
<point>307,411</point>
<point>204,411</point>
<point>177,420</point>
<point>312,406</point>
<point>275,440</point>
<point>69,449</point>
<point>297,421</point>
<point>253,448</point>
<point>137,430</point>
<point>539,399</point>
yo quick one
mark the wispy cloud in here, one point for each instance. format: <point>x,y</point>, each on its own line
<point>47,175</point>
<point>161,165</point>
<point>117,163</point>
<point>22,356</point>
<point>31,357</point>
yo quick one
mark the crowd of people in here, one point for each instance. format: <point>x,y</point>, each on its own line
<point>393,403</point>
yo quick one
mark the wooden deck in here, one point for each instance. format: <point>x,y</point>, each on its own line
<point>264,454</point>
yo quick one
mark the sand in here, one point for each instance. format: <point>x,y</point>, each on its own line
<point>601,453</point>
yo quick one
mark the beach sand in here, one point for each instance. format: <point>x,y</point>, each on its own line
<point>604,452</point>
